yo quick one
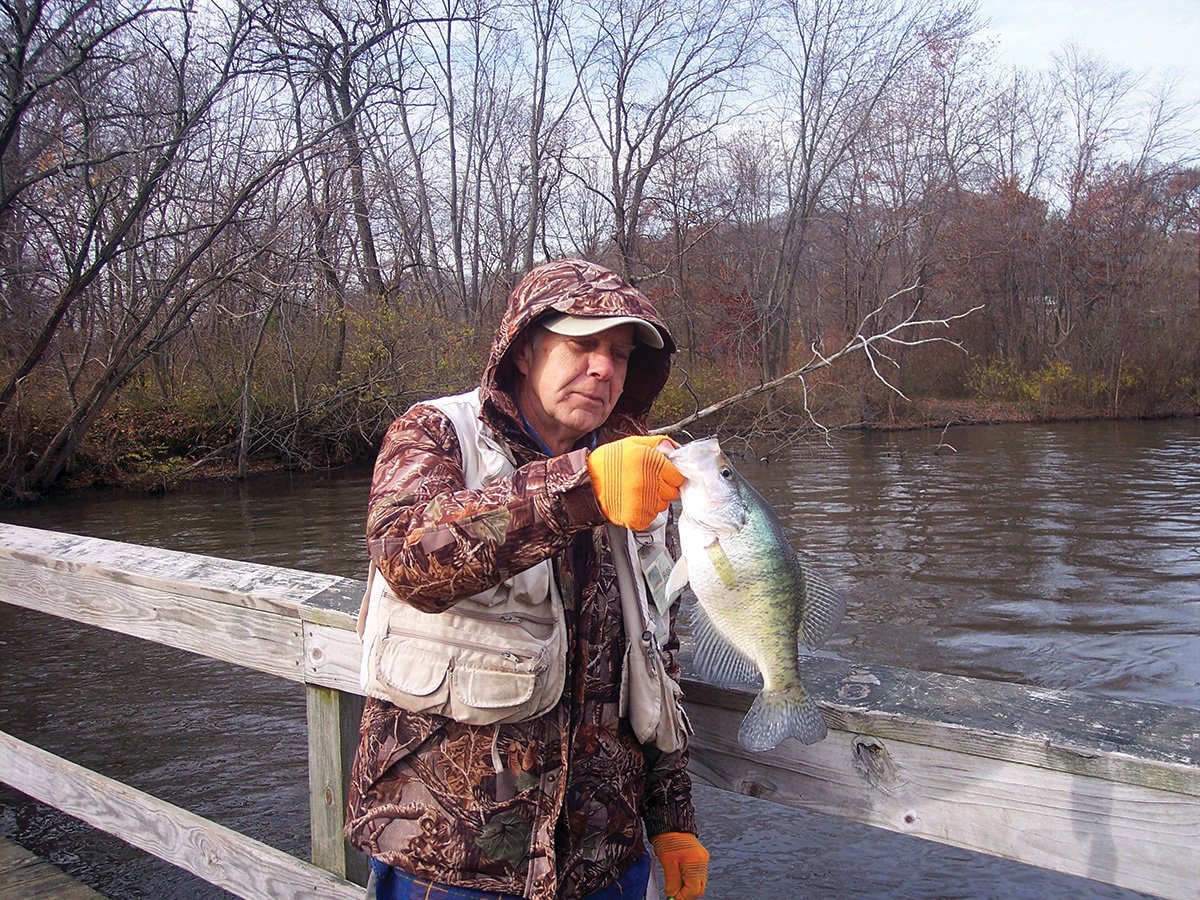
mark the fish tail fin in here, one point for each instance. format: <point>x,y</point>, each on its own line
<point>776,715</point>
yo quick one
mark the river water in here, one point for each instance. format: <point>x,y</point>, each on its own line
<point>1066,556</point>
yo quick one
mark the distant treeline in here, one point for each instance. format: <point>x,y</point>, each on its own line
<point>241,232</point>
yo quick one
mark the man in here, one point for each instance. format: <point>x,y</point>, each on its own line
<point>472,497</point>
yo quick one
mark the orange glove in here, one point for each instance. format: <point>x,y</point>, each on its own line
<point>633,480</point>
<point>685,864</point>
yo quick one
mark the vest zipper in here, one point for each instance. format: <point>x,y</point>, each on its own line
<point>509,618</point>
<point>510,655</point>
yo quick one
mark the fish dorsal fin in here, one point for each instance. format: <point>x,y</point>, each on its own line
<point>677,579</point>
<point>822,609</point>
<point>715,660</point>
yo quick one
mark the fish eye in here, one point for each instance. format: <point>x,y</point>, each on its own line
<point>726,473</point>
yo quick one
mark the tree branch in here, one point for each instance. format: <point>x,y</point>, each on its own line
<point>897,334</point>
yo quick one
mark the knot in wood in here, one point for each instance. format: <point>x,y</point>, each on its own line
<point>872,759</point>
<point>752,788</point>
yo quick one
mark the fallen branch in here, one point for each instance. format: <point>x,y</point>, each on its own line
<point>871,345</point>
<point>942,445</point>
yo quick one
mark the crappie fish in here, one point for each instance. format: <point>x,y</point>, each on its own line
<point>757,598</point>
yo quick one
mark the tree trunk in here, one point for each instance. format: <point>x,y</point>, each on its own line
<point>247,392</point>
<point>372,277</point>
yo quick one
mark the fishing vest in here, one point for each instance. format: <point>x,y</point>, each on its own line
<point>499,656</point>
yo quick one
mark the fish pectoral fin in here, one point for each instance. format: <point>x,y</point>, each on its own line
<point>822,608</point>
<point>677,579</point>
<point>721,563</point>
<point>715,659</point>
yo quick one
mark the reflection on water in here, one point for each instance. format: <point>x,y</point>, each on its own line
<point>1064,556</point>
<point>220,741</point>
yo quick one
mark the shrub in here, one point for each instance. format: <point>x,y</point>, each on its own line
<point>1041,391</point>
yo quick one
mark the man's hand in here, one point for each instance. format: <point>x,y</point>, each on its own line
<point>633,480</point>
<point>685,864</point>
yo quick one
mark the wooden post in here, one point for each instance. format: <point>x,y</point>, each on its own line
<point>333,718</point>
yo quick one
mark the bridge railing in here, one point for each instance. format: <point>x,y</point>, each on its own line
<point>1102,789</point>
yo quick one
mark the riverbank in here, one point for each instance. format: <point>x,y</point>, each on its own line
<point>923,413</point>
<point>942,413</point>
<point>154,435</point>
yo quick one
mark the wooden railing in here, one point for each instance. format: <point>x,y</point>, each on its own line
<point>1102,789</point>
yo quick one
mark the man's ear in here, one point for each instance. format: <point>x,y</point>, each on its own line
<point>522,354</point>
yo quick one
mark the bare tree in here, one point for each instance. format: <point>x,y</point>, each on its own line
<point>654,76</point>
<point>546,21</point>
<point>836,60</point>
<point>419,139</point>
<point>48,47</point>
<point>137,240</point>
<point>1095,176</point>
<point>329,46</point>
<point>916,161</point>
<point>1022,131</point>
<point>134,169</point>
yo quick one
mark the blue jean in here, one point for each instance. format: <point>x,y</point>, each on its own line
<point>395,884</point>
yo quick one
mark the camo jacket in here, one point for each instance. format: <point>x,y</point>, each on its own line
<point>555,806</point>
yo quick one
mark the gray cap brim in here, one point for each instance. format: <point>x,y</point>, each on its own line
<point>582,326</point>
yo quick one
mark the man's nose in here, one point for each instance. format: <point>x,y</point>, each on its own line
<point>601,365</point>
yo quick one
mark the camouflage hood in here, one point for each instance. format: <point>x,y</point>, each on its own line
<point>582,289</point>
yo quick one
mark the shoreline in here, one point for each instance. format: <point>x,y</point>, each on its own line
<point>938,413</point>
<point>919,415</point>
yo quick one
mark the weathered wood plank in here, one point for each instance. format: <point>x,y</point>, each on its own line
<point>333,718</point>
<point>336,606</point>
<point>23,876</point>
<point>219,855</point>
<point>1132,836</point>
<point>251,585</point>
<point>1146,744</point>
<point>245,636</point>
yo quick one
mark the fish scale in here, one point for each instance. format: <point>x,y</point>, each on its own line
<point>756,599</point>
<point>760,598</point>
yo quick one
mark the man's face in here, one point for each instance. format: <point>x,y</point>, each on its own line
<point>569,385</point>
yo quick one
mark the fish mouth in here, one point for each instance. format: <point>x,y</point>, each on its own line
<point>685,454</point>
<point>722,527</point>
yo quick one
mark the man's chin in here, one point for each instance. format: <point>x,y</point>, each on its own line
<point>584,422</point>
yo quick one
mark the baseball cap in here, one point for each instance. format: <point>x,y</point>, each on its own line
<point>581,326</point>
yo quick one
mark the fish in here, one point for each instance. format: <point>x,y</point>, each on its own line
<point>757,600</point>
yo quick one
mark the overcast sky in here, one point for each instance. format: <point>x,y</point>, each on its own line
<point>1144,36</point>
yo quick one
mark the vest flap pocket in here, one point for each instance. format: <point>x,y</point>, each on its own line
<point>533,585</point>
<point>492,688</point>
<point>411,669</point>
<point>530,587</point>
